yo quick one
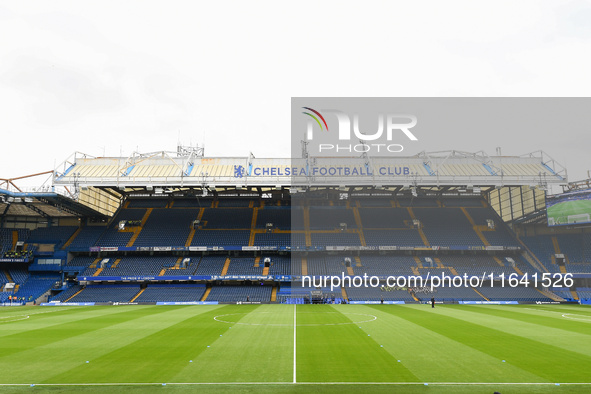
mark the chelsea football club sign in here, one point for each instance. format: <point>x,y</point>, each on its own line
<point>337,171</point>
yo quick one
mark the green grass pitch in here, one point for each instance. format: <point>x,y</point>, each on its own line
<point>340,348</point>
<point>561,211</point>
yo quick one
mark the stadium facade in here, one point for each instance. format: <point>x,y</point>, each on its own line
<point>179,227</point>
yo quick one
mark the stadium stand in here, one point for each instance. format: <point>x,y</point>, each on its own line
<point>172,293</point>
<point>240,293</point>
<point>245,225</point>
<point>449,294</point>
<point>447,227</point>
<point>167,227</point>
<point>513,294</point>
<point>220,237</point>
<point>280,217</point>
<point>51,235</point>
<point>106,293</point>
<point>378,294</point>
<point>87,237</point>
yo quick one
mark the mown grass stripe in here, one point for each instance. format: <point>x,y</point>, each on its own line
<point>28,339</point>
<point>56,357</point>
<point>45,317</point>
<point>546,320</point>
<point>341,352</point>
<point>156,357</point>
<point>549,362</point>
<point>516,323</point>
<point>434,357</point>
<point>261,351</point>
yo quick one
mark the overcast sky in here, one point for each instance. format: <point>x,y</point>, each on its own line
<point>115,76</point>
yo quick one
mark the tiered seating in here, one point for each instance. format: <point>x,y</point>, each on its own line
<point>298,240</point>
<point>172,293</point>
<point>228,222</point>
<point>112,237</point>
<point>377,294</point>
<point>107,293</point>
<point>450,294</point>
<point>87,237</point>
<point>167,227</point>
<point>19,275</point>
<point>385,265</point>
<point>138,266</point>
<point>447,227</point>
<point>6,238</point>
<point>384,217</point>
<point>35,286</point>
<point>189,270</point>
<point>512,294</point>
<point>541,246</point>
<point>223,218</point>
<point>397,237</point>
<point>335,239</point>
<point>328,218</point>
<point>296,265</point>
<point>273,239</point>
<point>279,216</point>
<point>316,266</point>
<point>297,218</point>
<point>220,238</point>
<point>500,235</point>
<point>88,271</point>
<point>244,266</point>
<point>240,293</point>
<point>79,263</point>
<point>563,292</point>
<point>64,295</point>
<point>584,293</point>
<point>52,235</point>
<point>577,248</point>
<point>281,265</point>
<point>211,265</point>
<point>389,226</point>
<point>336,265</point>
<point>3,280</point>
<point>476,265</point>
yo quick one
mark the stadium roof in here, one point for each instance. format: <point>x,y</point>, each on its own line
<point>43,202</point>
<point>188,169</point>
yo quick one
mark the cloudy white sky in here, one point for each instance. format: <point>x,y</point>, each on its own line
<point>110,76</point>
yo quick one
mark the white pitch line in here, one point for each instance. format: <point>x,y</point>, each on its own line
<point>310,383</point>
<point>294,343</point>
<point>23,316</point>
<point>218,319</point>
<point>581,318</point>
